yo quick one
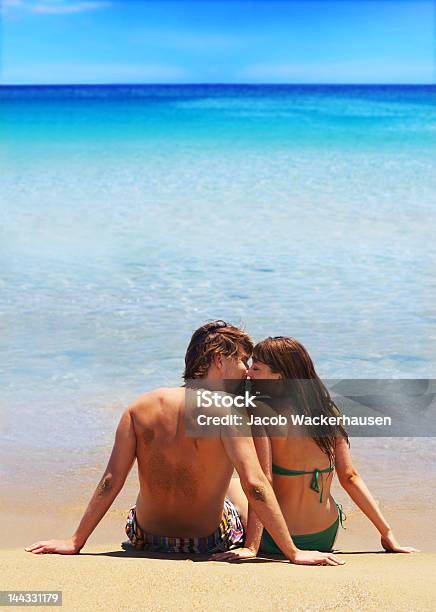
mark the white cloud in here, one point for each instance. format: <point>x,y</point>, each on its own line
<point>60,8</point>
<point>7,6</point>
<point>52,7</point>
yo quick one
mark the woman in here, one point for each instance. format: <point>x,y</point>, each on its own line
<point>302,467</point>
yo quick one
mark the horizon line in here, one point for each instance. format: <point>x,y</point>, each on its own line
<point>134,84</point>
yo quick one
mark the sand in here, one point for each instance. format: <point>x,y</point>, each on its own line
<point>109,578</point>
<point>104,576</point>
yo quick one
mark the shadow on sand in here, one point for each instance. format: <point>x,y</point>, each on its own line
<point>129,551</point>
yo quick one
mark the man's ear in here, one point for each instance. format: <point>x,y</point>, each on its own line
<point>218,361</point>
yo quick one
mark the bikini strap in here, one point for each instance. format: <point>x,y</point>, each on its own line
<point>342,515</point>
<point>314,483</point>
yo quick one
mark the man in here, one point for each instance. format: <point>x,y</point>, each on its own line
<point>183,480</point>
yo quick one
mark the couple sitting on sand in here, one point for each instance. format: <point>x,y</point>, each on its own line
<point>188,501</point>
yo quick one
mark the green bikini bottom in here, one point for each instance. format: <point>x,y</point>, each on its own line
<point>322,540</point>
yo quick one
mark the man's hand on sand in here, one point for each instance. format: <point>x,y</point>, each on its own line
<point>302,557</point>
<point>234,555</point>
<point>313,557</point>
<point>61,547</point>
<point>390,544</point>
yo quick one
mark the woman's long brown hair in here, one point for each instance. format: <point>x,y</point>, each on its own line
<point>288,357</point>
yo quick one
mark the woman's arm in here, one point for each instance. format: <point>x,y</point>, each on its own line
<point>115,474</point>
<point>354,485</point>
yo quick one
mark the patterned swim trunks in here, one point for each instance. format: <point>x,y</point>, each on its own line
<point>228,535</point>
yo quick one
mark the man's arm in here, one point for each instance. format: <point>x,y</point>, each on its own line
<point>254,529</point>
<point>242,453</point>
<point>254,525</point>
<point>263,448</point>
<point>120,463</point>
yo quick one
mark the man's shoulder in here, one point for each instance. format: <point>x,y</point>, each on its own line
<point>156,398</point>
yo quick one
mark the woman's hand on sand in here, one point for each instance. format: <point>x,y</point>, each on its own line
<point>234,555</point>
<point>61,547</point>
<point>313,557</point>
<point>390,544</point>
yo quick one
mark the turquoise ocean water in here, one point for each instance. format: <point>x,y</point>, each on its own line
<point>130,215</point>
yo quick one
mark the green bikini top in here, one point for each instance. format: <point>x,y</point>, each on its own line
<point>314,483</point>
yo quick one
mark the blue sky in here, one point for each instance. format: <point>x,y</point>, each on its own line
<point>225,41</point>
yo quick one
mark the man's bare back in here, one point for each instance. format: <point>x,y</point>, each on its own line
<point>183,480</point>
